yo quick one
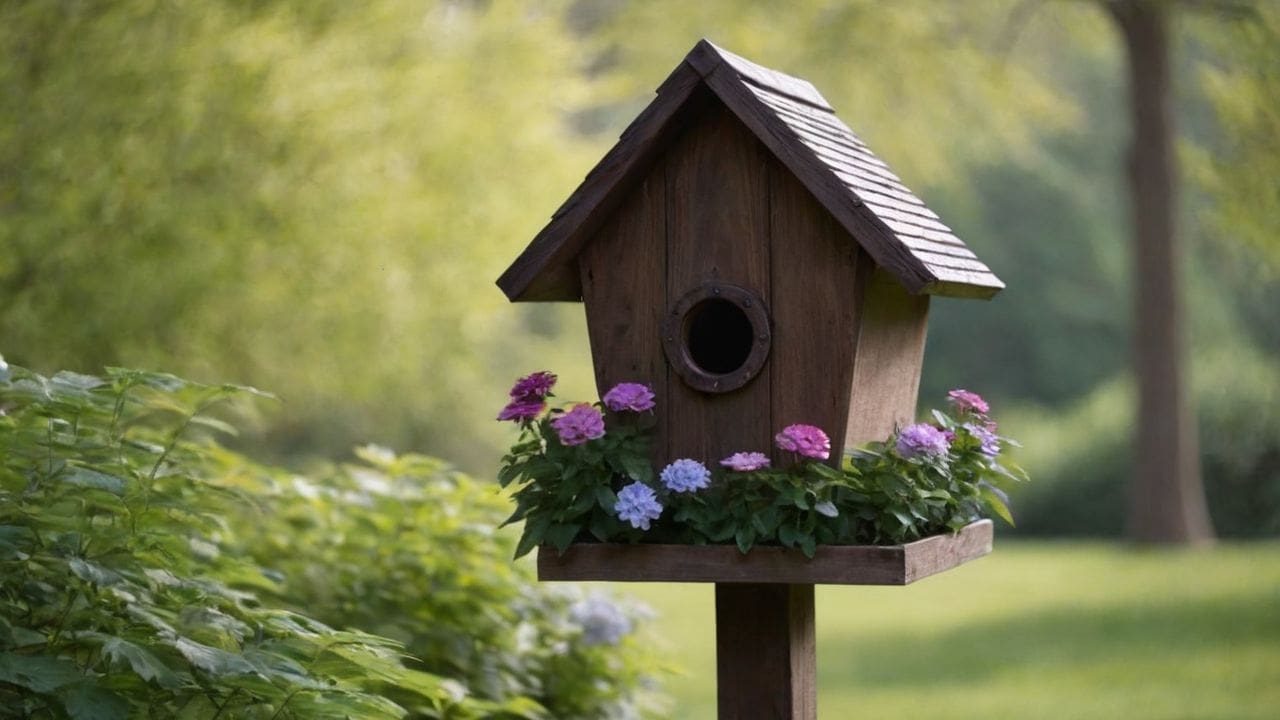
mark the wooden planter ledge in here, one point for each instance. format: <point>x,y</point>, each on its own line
<point>831,564</point>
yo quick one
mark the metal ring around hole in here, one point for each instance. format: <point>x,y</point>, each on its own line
<point>675,337</point>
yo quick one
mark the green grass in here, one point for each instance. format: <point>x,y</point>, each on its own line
<point>1034,631</point>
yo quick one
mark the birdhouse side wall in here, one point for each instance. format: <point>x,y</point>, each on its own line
<point>888,360</point>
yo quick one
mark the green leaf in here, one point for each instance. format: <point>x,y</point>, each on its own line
<point>562,536</point>
<point>147,666</point>
<point>745,538</point>
<point>85,477</point>
<point>85,701</point>
<point>996,504</point>
<point>93,572</point>
<point>210,659</point>
<point>606,498</point>
<point>637,467</point>
<point>40,673</point>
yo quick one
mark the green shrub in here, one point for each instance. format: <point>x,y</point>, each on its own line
<point>147,572</point>
<point>1081,459</point>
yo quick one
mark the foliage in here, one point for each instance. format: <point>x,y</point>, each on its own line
<point>147,572</point>
<point>883,494</point>
<point>1081,493</point>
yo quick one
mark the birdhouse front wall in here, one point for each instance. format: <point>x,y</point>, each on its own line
<point>716,207</point>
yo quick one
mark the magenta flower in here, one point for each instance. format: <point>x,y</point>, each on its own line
<point>922,440</point>
<point>521,410</point>
<point>579,425</point>
<point>805,440</point>
<point>632,397</point>
<point>966,401</point>
<point>746,461</point>
<point>534,385</point>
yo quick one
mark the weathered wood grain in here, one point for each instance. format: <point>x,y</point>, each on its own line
<point>766,659</point>
<point>717,230</point>
<point>831,565</point>
<point>886,367</point>
<point>816,293</point>
<point>623,275</point>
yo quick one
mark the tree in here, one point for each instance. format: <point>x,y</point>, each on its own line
<point>1166,495</point>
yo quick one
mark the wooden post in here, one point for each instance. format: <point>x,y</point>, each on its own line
<point>766,664</point>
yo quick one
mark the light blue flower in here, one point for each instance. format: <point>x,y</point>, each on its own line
<point>638,505</point>
<point>602,622</point>
<point>686,476</point>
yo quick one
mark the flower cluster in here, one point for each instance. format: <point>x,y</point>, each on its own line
<point>638,505</point>
<point>922,440</point>
<point>804,440</point>
<point>580,424</point>
<point>528,397</point>
<point>632,397</point>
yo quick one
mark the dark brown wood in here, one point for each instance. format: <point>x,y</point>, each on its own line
<point>766,660</point>
<point>545,270</point>
<point>831,565</point>
<point>675,337</point>
<point>1166,495</point>
<point>799,128</point>
<point>717,231</point>
<point>816,295</point>
<point>890,354</point>
<point>625,308</point>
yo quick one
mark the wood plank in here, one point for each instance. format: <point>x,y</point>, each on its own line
<point>816,295</point>
<point>545,270</point>
<point>886,369</point>
<point>717,230</point>
<point>831,564</point>
<point>623,275</point>
<point>766,652</point>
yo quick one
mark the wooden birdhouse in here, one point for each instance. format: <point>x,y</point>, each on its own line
<point>744,253</point>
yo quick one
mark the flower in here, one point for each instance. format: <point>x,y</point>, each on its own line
<point>519,410</point>
<point>685,476</point>
<point>602,622</point>
<point>638,504</point>
<point>746,461</point>
<point>579,425</point>
<point>534,385</point>
<point>984,434</point>
<point>629,396</point>
<point>805,440</point>
<point>966,401</point>
<point>922,439</point>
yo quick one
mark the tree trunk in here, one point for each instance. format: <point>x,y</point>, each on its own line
<point>1166,495</point>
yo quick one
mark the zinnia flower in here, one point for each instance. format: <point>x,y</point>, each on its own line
<point>966,401</point>
<point>983,434</point>
<point>805,440</point>
<point>534,385</point>
<point>922,440</point>
<point>633,397</point>
<point>579,425</point>
<point>638,505</point>
<point>746,461</point>
<point>685,476</point>
<point>521,410</point>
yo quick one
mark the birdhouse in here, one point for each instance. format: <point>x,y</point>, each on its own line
<point>745,254</point>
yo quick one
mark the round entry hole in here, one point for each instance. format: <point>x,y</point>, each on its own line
<point>718,336</point>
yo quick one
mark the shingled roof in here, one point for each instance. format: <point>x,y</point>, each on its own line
<point>797,124</point>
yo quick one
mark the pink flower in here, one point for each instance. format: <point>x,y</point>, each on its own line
<point>746,461</point>
<point>629,396</point>
<point>521,410</point>
<point>579,425</point>
<point>966,401</point>
<point>534,385</point>
<point>805,440</point>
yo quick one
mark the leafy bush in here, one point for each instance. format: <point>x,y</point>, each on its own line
<point>1082,458</point>
<point>132,582</point>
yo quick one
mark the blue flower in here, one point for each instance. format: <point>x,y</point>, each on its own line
<point>602,622</point>
<point>685,476</point>
<point>638,504</point>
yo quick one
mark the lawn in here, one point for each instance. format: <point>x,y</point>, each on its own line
<point>1037,630</point>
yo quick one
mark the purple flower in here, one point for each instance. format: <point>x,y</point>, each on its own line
<point>746,461</point>
<point>629,396</point>
<point>984,435</point>
<point>579,425</point>
<point>521,410</point>
<point>534,385</point>
<point>966,401</point>
<point>638,504</point>
<point>805,440</point>
<point>922,440</point>
<point>685,476</point>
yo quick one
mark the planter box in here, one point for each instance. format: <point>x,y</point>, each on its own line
<point>831,565</point>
